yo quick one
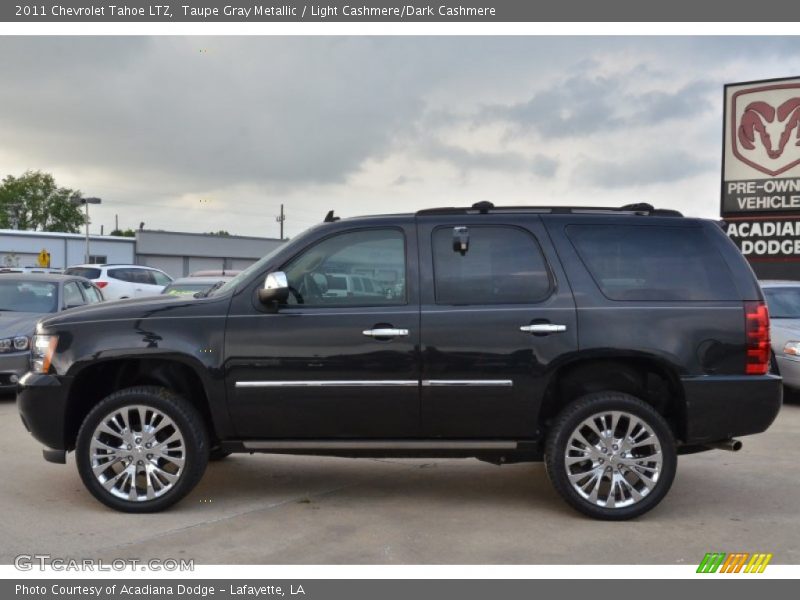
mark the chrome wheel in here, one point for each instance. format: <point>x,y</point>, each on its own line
<point>137,453</point>
<point>613,459</point>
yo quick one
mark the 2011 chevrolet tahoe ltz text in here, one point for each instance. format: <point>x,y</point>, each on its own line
<point>604,342</point>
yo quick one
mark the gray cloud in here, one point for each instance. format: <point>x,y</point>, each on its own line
<point>584,104</point>
<point>661,167</point>
<point>254,121</point>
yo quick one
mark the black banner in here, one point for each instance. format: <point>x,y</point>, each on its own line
<point>400,10</point>
<point>731,587</point>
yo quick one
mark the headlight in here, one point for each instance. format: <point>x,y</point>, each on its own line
<point>42,349</point>
<point>17,343</point>
<point>792,348</point>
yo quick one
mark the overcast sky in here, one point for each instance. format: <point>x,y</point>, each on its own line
<point>201,134</point>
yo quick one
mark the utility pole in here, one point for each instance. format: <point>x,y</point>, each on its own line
<point>86,202</point>
<point>280,219</point>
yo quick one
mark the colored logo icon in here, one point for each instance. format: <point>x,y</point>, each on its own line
<point>737,562</point>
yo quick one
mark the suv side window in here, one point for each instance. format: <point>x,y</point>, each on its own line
<point>318,275</point>
<point>503,265</point>
<point>122,274</point>
<point>653,262</point>
<point>72,294</point>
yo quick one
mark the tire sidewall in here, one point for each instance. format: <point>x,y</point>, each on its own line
<point>584,408</point>
<point>185,418</point>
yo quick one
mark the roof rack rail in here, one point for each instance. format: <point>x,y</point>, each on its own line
<point>486,207</point>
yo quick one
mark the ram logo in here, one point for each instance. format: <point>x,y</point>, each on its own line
<point>766,127</point>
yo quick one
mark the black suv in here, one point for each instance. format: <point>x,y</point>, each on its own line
<point>602,341</point>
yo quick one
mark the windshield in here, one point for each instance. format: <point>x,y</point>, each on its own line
<point>247,273</point>
<point>28,296</point>
<point>783,303</point>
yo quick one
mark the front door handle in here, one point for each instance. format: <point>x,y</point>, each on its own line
<point>385,332</point>
<point>543,328</point>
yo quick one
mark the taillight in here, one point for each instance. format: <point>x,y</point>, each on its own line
<point>101,284</point>
<point>757,331</point>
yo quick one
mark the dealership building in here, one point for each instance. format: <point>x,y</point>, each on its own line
<point>176,253</point>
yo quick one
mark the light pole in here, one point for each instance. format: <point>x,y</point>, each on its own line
<point>86,202</point>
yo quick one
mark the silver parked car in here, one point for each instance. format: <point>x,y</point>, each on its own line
<point>783,301</point>
<point>24,299</point>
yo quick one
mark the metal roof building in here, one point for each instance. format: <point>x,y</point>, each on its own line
<point>176,253</point>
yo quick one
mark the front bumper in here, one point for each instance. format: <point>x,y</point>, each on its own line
<point>42,404</point>
<point>726,406</point>
<point>12,367</point>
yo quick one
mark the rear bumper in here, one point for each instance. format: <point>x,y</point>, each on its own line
<point>42,404</point>
<point>721,407</point>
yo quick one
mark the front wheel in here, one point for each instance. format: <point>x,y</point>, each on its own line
<point>142,449</point>
<point>611,456</point>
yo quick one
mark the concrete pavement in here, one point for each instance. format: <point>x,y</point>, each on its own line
<point>266,509</point>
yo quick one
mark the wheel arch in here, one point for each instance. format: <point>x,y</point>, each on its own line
<point>650,378</point>
<point>93,381</point>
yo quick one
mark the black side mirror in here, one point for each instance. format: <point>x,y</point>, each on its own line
<point>276,288</point>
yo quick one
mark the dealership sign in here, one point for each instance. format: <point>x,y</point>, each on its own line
<point>761,168</point>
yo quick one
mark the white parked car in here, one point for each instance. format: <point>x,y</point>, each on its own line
<point>123,281</point>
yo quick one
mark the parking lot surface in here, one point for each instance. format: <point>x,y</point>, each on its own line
<point>267,509</point>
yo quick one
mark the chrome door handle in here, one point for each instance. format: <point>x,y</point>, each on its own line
<point>543,328</point>
<point>385,332</point>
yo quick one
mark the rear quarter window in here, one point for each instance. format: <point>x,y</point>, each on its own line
<point>87,272</point>
<point>650,262</point>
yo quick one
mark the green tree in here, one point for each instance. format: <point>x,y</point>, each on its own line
<point>124,232</point>
<point>34,202</point>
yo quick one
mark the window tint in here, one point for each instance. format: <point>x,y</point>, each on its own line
<point>122,274</point>
<point>92,294</point>
<point>319,275</point>
<point>88,272</point>
<point>503,265</point>
<point>639,262</point>
<point>72,295</point>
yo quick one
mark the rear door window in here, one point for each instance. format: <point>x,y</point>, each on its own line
<point>72,295</point>
<point>503,265</point>
<point>88,272</point>
<point>649,262</point>
<point>123,274</point>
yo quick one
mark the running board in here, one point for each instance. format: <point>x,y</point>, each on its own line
<point>380,445</point>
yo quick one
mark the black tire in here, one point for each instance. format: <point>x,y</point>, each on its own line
<point>568,422</point>
<point>217,454</point>
<point>186,420</point>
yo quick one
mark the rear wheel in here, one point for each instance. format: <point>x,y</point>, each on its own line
<point>142,449</point>
<point>611,456</point>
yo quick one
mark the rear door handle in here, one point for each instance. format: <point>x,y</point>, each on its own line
<point>543,328</point>
<point>385,332</point>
